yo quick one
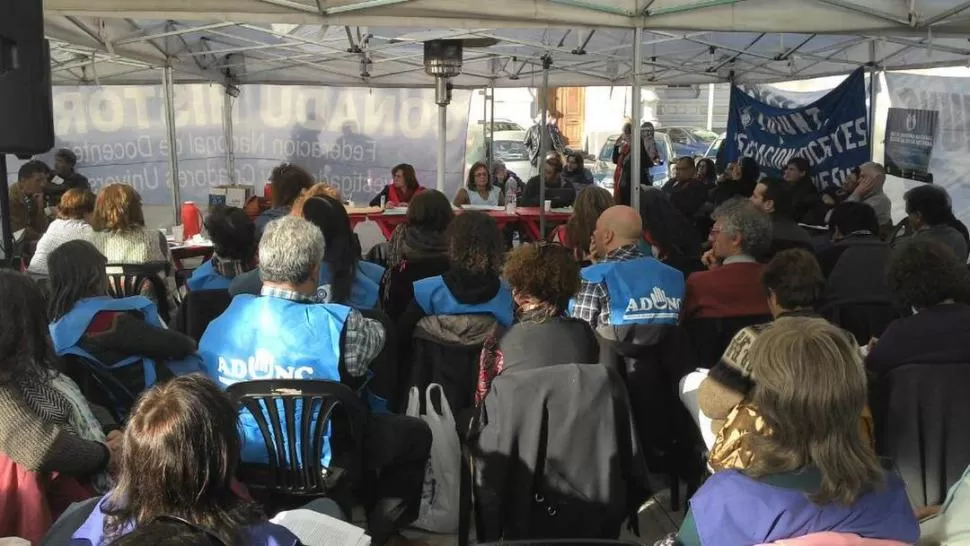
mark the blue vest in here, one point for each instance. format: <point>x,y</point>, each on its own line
<point>733,509</point>
<point>272,338</point>
<point>364,292</point>
<point>67,331</point>
<point>434,298</point>
<point>205,277</point>
<point>642,291</point>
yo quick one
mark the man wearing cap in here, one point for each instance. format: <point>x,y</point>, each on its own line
<point>64,177</point>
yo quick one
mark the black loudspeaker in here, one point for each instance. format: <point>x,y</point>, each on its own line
<point>26,112</point>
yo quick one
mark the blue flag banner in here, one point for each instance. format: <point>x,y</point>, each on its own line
<point>832,133</point>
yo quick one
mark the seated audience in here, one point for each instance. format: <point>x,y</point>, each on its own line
<point>920,371</point>
<point>181,450</point>
<point>124,335</point>
<point>577,232</point>
<point>479,190</point>
<point>27,200</point>
<point>293,336</point>
<point>870,191</point>
<point>707,172</point>
<point>623,286</point>
<point>73,217</point>
<point>441,333</point>
<point>686,192</point>
<point>793,283</point>
<point>46,425</point>
<point>501,175</point>
<point>931,217</point>
<point>671,236</point>
<point>120,235</point>
<point>949,523</point>
<point>740,183</point>
<point>810,471</point>
<point>403,187</point>
<point>855,267</point>
<point>731,287</point>
<point>233,237</point>
<point>807,207</point>
<point>418,249</point>
<point>287,182</point>
<point>557,191</point>
<point>775,197</point>
<point>343,277</point>
<point>543,278</point>
<point>472,285</point>
<point>926,277</point>
<point>64,177</point>
<point>575,173</point>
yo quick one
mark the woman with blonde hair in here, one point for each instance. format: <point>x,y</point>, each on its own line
<point>121,236</point>
<point>812,471</point>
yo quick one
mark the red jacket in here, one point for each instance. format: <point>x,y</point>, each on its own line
<point>732,290</point>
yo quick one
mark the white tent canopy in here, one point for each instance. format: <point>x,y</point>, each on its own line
<point>377,43</point>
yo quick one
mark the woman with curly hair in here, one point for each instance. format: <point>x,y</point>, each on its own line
<point>287,182</point>
<point>417,250</point>
<point>926,277</point>
<point>442,331</point>
<point>543,278</point>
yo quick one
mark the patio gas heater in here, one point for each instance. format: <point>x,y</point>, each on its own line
<point>442,59</point>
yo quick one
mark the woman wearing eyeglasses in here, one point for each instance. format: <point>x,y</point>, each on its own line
<point>181,449</point>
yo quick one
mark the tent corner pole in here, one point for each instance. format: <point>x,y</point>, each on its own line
<point>168,84</point>
<point>442,145</point>
<point>229,130</point>
<point>873,77</point>
<point>636,145</point>
<point>544,143</point>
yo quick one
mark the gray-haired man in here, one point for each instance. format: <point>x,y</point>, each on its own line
<point>285,334</point>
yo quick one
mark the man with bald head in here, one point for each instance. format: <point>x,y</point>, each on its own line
<point>623,286</point>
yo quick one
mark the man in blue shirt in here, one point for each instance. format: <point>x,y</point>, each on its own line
<point>284,334</point>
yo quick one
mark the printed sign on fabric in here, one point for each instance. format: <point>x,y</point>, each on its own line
<point>832,133</point>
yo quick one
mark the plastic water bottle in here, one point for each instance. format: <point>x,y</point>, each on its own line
<point>511,198</point>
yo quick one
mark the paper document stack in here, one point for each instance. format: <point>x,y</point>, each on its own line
<point>316,529</point>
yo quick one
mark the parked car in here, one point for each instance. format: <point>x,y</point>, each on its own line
<point>604,167</point>
<point>712,150</point>
<point>689,141</point>
<point>509,147</point>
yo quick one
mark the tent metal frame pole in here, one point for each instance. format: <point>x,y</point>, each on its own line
<point>442,146</point>
<point>543,142</point>
<point>873,77</point>
<point>491,126</point>
<point>168,84</point>
<point>229,129</point>
<point>636,146</point>
<point>710,107</point>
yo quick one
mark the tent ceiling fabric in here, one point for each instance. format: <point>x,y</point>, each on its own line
<point>377,43</point>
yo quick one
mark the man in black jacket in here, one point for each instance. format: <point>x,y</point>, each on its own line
<point>64,177</point>
<point>775,198</point>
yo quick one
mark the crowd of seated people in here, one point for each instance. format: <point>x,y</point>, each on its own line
<point>821,355</point>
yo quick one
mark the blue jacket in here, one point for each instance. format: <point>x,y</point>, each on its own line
<point>731,509</point>
<point>66,334</point>
<point>365,291</point>
<point>205,277</point>
<point>642,291</point>
<point>272,338</point>
<point>434,298</point>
